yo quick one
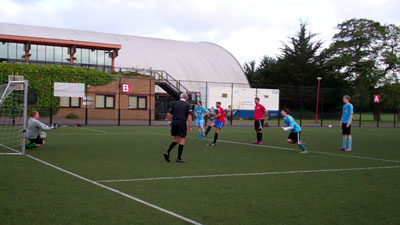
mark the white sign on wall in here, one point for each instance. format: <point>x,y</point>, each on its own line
<point>69,89</point>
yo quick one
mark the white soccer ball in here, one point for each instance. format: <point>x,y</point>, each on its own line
<point>42,135</point>
<point>330,126</point>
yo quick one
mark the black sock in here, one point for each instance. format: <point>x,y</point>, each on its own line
<point>208,130</point>
<point>173,144</point>
<point>180,150</point>
<point>258,137</point>
<point>261,135</point>
<point>215,138</point>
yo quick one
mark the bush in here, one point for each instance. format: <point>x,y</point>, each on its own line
<point>71,116</point>
<point>41,78</point>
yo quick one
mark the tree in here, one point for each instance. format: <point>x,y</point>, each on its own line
<point>355,54</point>
<point>300,61</point>
<point>389,61</point>
<point>250,70</point>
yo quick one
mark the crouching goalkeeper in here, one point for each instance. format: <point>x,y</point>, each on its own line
<point>34,131</point>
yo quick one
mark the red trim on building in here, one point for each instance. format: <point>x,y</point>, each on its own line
<point>58,42</point>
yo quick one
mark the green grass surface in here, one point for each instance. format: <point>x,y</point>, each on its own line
<point>33,193</point>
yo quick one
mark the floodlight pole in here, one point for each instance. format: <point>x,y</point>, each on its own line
<point>316,110</point>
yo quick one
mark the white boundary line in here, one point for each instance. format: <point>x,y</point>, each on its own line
<point>292,149</point>
<point>239,143</point>
<point>117,192</point>
<point>249,174</point>
<point>311,151</point>
<point>91,129</point>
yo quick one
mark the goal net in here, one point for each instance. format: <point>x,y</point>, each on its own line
<point>13,114</point>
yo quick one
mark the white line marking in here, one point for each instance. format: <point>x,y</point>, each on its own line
<point>116,191</point>
<point>91,129</point>
<point>292,149</point>
<point>100,134</point>
<point>248,174</point>
<point>324,153</point>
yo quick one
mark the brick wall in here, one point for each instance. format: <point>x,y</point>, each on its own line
<point>140,86</point>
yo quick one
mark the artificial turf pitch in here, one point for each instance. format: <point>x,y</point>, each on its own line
<point>269,184</point>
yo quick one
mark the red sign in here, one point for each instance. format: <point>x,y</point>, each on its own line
<point>126,88</point>
<point>377,99</point>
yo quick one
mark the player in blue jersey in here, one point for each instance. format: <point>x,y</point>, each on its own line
<point>345,123</point>
<point>294,128</point>
<point>200,112</point>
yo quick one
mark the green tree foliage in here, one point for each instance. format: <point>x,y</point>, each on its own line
<point>300,61</point>
<point>354,51</point>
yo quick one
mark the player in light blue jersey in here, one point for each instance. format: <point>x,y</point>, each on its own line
<point>200,112</point>
<point>294,128</point>
<point>345,123</point>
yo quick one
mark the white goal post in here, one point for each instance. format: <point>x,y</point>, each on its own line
<point>13,117</point>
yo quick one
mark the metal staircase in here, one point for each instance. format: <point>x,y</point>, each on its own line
<point>163,79</point>
<point>168,83</point>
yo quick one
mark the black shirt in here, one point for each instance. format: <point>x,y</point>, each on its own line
<point>180,111</point>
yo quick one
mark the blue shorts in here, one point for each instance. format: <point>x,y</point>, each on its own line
<point>218,124</point>
<point>200,123</point>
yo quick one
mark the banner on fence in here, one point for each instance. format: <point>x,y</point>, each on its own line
<point>69,89</point>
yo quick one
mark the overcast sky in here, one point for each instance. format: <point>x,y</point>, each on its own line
<point>249,29</point>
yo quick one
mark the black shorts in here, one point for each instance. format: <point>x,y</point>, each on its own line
<point>37,140</point>
<point>295,137</point>
<point>346,130</point>
<point>259,125</point>
<point>178,129</point>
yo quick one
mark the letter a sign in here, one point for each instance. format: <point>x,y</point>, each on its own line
<point>377,99</point>
<point>126,88</point>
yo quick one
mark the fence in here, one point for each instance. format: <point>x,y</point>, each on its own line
<point>147,104</point>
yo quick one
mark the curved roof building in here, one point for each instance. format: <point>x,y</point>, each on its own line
<point>180,59</point>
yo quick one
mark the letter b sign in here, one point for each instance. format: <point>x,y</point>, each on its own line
<point>126,88</point>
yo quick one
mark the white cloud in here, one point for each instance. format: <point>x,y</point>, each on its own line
<point>249,29</point>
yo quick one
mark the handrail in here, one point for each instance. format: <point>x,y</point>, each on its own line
<point>158,75</point>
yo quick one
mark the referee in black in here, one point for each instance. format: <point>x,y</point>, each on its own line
<point>180,112</point>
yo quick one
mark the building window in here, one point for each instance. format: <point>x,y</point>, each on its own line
<point>85,56</point>
<point>78,56</point>
<point>70,102</point>
<point>41,53</point>
<point>58,54</point>
<point>137,102</point>
<point>20,52</point>
<point>105,101</point>
<point>93,57</point>
<point>12,51</point>
<point>50,54</point>
<point>65,55</point>
<point>33,53</point>
<point>3,51</point>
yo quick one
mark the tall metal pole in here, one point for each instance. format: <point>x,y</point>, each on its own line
<point>25,108</point>
<point>232,105</point>
<point>51,98</point>
<point>119,102</point>
<point>86,101</point>
<point>150,96</point>
<point>316,110</point>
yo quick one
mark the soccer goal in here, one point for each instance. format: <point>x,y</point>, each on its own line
<point>13,115</point>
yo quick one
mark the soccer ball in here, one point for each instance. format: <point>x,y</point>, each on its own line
<point>42,135</point>
<point>330,126</point>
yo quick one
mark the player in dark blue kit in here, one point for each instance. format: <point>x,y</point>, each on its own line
<point>294,128</point>
<point>179,116</point>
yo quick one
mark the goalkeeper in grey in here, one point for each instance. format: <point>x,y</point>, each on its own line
<point>34,131</point>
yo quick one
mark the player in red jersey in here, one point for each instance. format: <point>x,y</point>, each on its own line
<point>218,123</point>
<point>260,113</point>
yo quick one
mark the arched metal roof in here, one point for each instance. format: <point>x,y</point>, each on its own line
<point>196,61</point>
